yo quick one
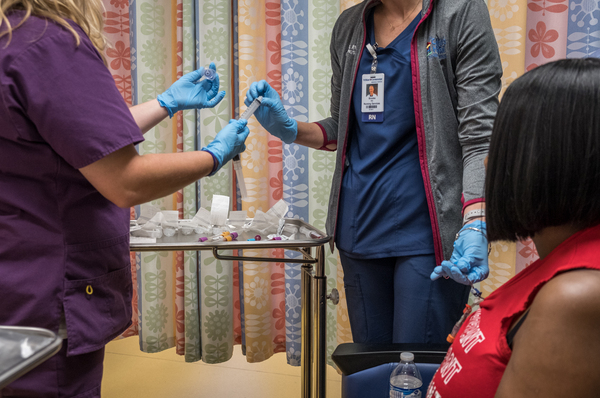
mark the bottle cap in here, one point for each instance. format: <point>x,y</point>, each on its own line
<point>210,74</point>
<point>234,235</point>
<point>203,239</point>
<point>407,357</point>
<point>257,237</point>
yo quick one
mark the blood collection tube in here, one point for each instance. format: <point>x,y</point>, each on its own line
<point>221,238</point>
<point>225,237</point>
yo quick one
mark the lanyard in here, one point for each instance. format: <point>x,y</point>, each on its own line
<point>374,55</point>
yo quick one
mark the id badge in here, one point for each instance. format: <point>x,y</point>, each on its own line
<point>372,97</point>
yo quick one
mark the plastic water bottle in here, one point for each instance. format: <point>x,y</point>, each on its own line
<point>406,380</point>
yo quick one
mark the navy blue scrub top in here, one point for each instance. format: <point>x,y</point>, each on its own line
<point>383,209</point>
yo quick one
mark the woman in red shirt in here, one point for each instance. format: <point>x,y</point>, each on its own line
<point>539,334</point>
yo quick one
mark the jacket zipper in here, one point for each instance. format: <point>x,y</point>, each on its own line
<point>337,208</point>
<point>437,241</point>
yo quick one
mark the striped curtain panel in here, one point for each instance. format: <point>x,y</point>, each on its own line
<point>203,306</point>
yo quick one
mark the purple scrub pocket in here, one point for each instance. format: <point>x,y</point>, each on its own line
<point>97,310</point>
<point>97,293</point>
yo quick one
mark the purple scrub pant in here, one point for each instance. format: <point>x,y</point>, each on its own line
<point>60,376</point>
<point>392,300</point>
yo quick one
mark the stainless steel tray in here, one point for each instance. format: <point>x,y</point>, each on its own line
<point>24,348</point>
<point>190,242</point>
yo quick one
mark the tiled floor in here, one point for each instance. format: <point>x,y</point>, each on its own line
<point>130,373</point>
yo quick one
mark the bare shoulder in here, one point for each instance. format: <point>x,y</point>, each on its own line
<point>574,292</point>
<point>556,352</point>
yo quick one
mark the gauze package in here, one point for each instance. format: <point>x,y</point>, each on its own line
<point>238,218</point>
<point>147,212</point>
<point>219,210</point>
<point>201,221</point>
<point>269,222</point>
<point>170,223</point>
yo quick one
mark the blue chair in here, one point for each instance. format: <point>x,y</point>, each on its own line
<point>366,368</point>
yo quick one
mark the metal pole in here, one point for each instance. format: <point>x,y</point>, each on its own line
<point>320,317</point>
<point>306,326</point>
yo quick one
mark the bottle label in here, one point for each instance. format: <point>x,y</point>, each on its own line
<point>396,392</point>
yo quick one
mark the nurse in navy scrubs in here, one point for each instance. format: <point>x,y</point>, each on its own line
<point>409,168</point>
<point>69,172</point>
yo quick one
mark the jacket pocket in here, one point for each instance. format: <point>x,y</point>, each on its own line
<point>97,309</point>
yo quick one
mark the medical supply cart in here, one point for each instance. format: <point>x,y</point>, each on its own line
<point>24,348</point>
<point>313,284</point>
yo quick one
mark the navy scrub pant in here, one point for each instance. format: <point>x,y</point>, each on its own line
<point>392,300</point>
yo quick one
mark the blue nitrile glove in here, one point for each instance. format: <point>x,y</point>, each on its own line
<point>228,143</point>
<point>190,93</point>
<point>271,114</point>
<point>469,261</point>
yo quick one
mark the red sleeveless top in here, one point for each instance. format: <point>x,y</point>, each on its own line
<point>479,354</point>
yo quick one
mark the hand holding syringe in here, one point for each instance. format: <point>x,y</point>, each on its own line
<point>237,164</point>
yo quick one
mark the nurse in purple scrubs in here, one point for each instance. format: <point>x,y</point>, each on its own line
<point>69,172</point>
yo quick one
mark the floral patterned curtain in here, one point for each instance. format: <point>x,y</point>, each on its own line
<point>286,42</point>
<point>530,33</point>
<point>203,314</point>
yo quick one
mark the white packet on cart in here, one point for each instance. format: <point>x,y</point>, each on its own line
<point>269,222</point>
<point>155,222</point>
<point>219,210</point>
<point>202,221</point>
<point>147,212</point>
<point>238,218</point>
<point>278,210</point>
<point>170,223</point>
<point>155,233</point>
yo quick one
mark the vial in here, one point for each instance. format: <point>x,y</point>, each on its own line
<point>210,74</point>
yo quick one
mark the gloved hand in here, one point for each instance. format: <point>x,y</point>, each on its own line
<point>469,261</point>
<point>189,93</point>
<point>228,142</point>
<point>271,114</point>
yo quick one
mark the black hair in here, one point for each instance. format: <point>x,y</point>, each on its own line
<point>544,160</point>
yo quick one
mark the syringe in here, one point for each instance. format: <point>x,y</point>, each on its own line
<point>237,163</point>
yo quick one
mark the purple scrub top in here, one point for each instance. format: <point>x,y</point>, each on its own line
<point>61,242</point>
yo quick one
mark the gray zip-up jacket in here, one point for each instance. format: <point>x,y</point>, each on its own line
<point>456,72</point>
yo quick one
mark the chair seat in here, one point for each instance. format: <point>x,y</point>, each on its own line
<point>366,368</point>
<point>375,382</point>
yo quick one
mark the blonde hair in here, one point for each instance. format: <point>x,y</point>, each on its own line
<point>85,13</point>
